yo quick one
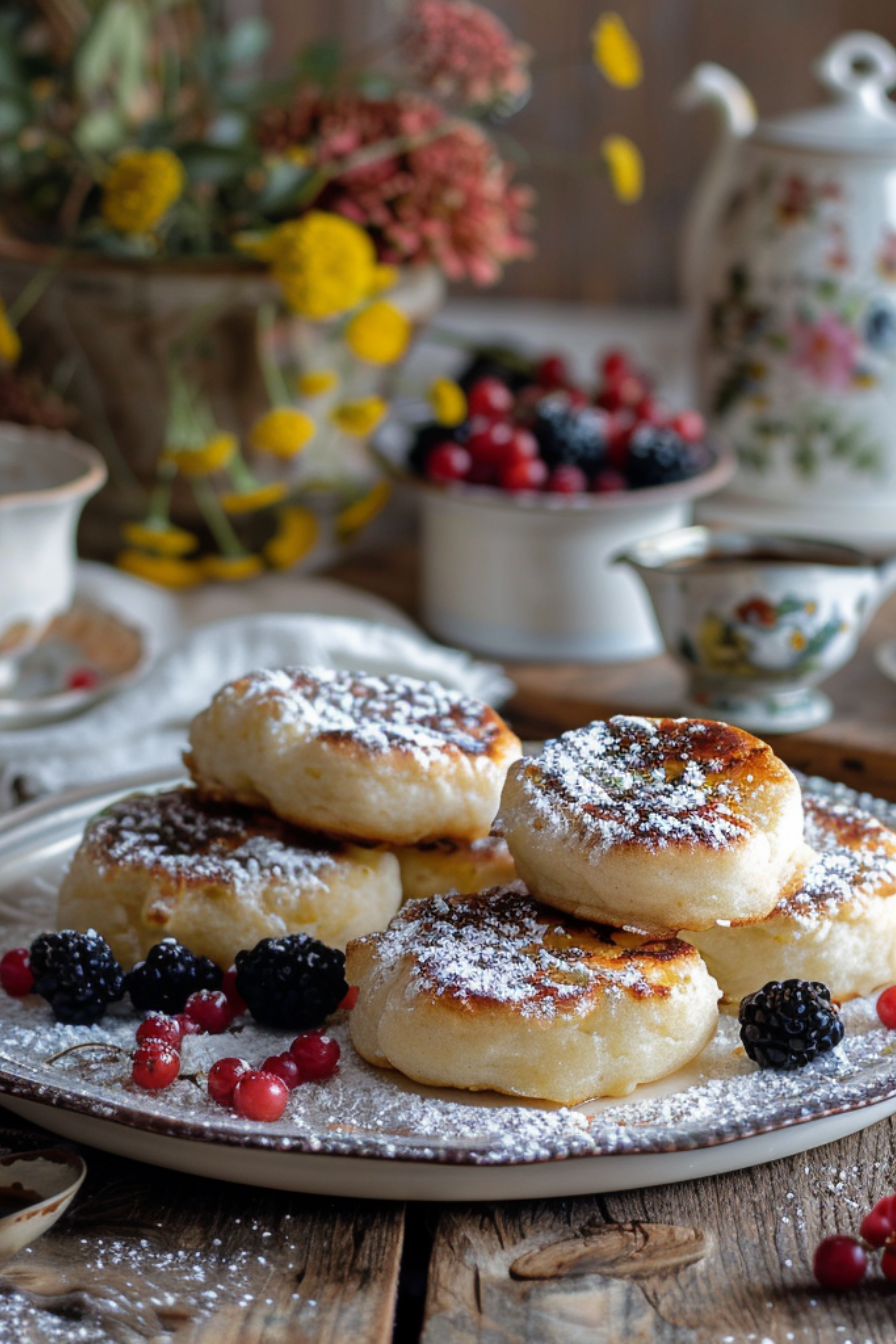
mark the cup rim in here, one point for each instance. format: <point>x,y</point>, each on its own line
<point>91,477</point>
<point>702,545</point>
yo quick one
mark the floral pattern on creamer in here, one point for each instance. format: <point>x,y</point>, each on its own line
<point>759,636</point>
<point>794,349</point>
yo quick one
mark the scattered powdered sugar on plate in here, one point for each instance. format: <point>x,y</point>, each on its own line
<point>364,1112</point>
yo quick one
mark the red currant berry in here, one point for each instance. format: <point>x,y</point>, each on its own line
<point>82,679</point>
<point>879,1225</point>
<point>489,397</point>
<point>159,1027</point>
<point>211,1009</point>
<point>521,446</point>
<point>223,1077</point>
<point>614,365</point>
<point>839,1262</point>
<point>154,1065</point>
<point>690,425</point>
<point>283,1067</point>
<point>608,482</point>
<point>576,396</point>
<point>234,997</point>
<point>490,443</point>
<point>886,1005</point>
<point>650,412</point>
<point>260,1096</point>
<point>530,474</point>
<point>448,462</point>
<point>351,998</point>
<point>567,479</point>
<point>188,1025</point>
<point>551,372</point>
<point>15,972</point>
<point>317,1056</point>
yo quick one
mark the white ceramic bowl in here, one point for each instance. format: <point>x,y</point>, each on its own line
<point>530,576</point>
<point>45,480</point>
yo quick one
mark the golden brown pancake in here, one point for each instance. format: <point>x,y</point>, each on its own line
<point>353,754</point>
<point>838,927</point>
<point>218,877</point>
<point>440,866</point>
<point>655,824</point>
<point>495,991</point>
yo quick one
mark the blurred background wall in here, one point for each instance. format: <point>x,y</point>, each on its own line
<point>589,248</point>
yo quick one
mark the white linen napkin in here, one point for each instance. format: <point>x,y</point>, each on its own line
<point>144,726</point>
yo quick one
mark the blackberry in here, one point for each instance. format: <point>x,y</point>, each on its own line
<point>658,455</point>
<point>292,982</point>
<point>787,1023</point>
<point>511,367</point>
<point>168,976</point>
<point>77,974</point>
<point>570,436</point>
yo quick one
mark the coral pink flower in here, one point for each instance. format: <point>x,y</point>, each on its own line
<point>460,50</point>
<point>825,350</point>
<point>439,193</point>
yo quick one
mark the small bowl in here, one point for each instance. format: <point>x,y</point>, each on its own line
<point>530,575</point>
<point>35,1190</point>
<point>758,621</point>
<point>45,480</point>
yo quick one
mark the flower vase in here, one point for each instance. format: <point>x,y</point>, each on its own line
<point>108,332</point>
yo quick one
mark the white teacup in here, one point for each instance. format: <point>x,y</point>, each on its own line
<point>45,480</point>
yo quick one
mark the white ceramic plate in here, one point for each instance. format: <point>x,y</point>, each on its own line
<point>371,1134</point>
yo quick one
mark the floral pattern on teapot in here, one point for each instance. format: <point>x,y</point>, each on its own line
<point>793,353</point>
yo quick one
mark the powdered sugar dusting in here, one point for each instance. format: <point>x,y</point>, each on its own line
<point>502,947</point>
<point>855,863</point>
<point>189,839</point>
<point>377,713</point>
<point>644,781</point>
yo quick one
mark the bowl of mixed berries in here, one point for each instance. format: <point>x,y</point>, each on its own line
<point>530,483</point>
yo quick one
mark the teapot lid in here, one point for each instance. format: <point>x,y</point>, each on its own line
<point>858,68</point>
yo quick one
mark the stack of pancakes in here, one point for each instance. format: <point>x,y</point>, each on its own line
<point>320,801</point>
<point>652,838</point>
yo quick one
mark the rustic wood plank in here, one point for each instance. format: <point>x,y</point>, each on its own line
<point>145,1254</point>
<point>759,1229</point>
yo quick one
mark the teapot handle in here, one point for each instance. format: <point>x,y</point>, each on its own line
<point>860,68</point>
<point>711,84</point>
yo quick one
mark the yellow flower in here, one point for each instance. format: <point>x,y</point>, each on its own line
<point>231,568</point>
<point>214,454</point>
<point>615,51</point>
<point>161,538</point>
<point>283,432</point>
<point>10,345</point>
<point>141,187</point>
<point>357,515</point>
<point>316,382</point>
<point>247,501</point>
<point>384,277</point>
<point>359,417</point>
<point>168,570</point>
<point>296,535</point>
<point>625,165</point>
<point>379,334</point>
<point>324,264</point>
<point>448,402</point>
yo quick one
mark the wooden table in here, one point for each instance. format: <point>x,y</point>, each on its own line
<point>148,1255</point>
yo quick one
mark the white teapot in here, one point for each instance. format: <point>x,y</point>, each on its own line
<point>789,267</point>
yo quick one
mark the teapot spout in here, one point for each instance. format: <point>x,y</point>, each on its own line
<point>712,85</point>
